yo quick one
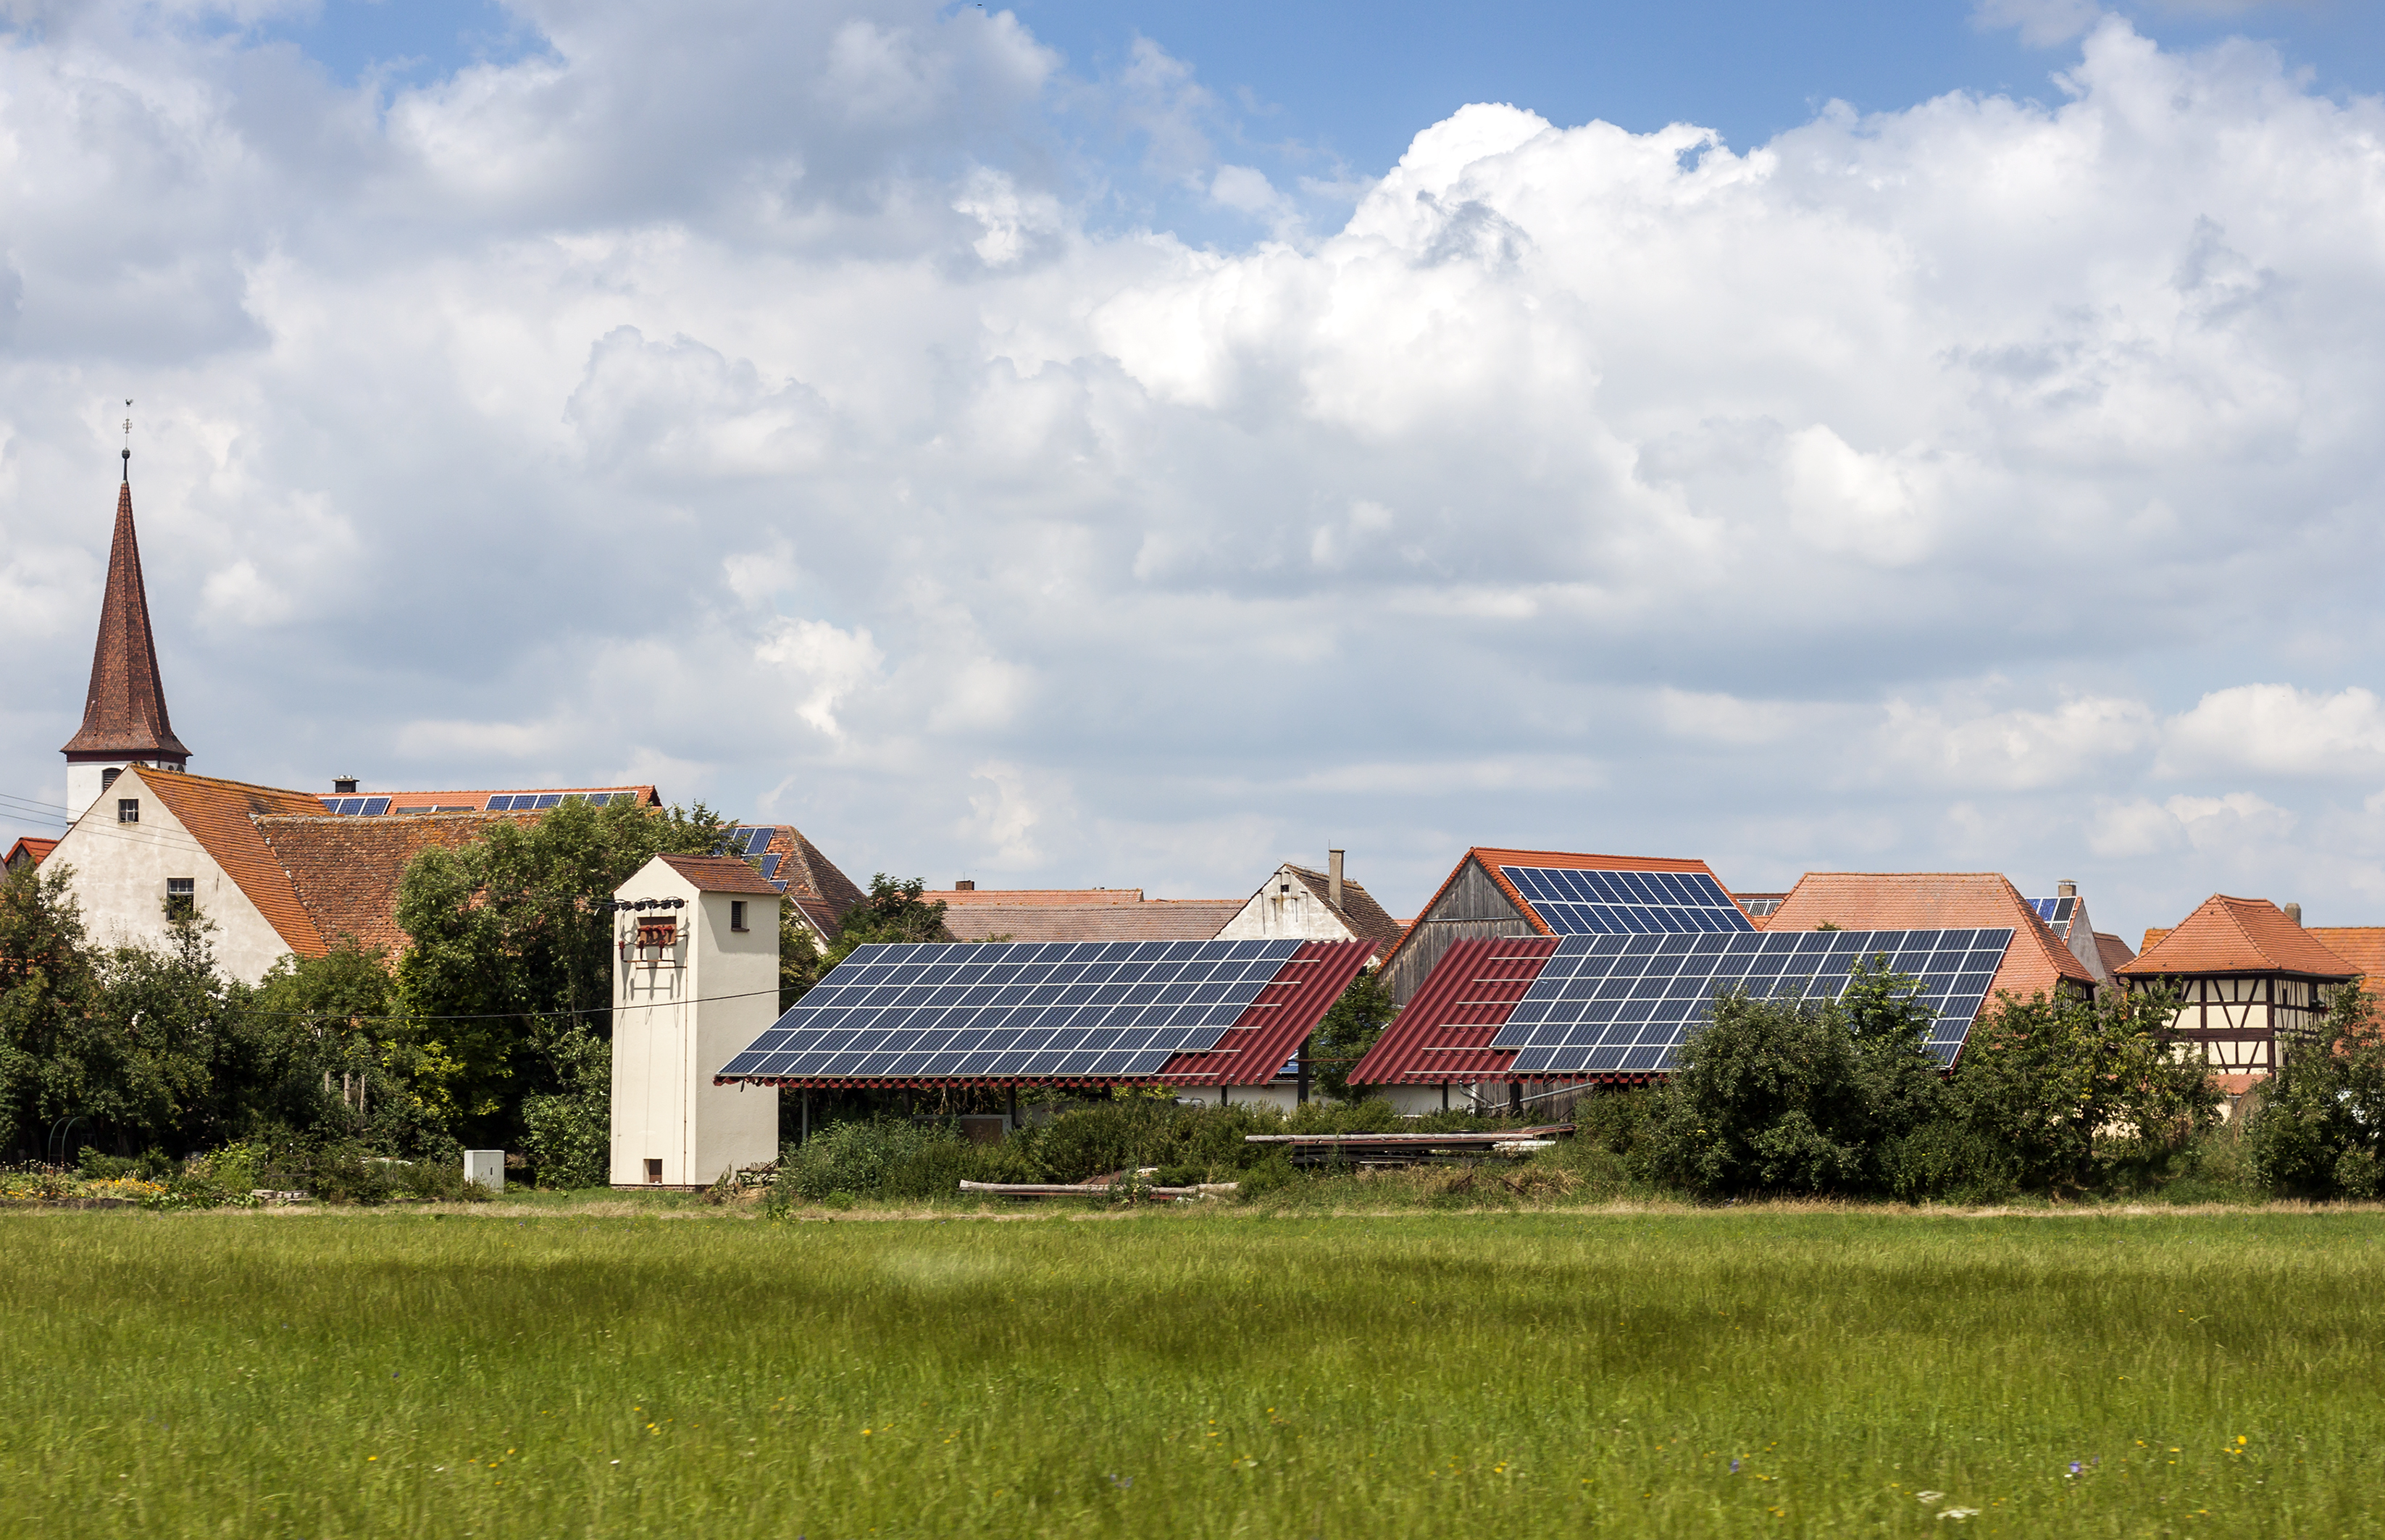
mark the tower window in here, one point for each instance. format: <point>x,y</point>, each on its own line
<point>654,1170</point>
<point>128,810</point>
<point>181,898</point>
<point>107,777</point>
<point>737,914</point>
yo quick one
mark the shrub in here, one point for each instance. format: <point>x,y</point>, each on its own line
<point>2315,1130</point>
<point>568,1135</point>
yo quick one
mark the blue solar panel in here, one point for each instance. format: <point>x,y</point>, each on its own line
<point>1580,902</point>
<point>548,799</point>
<point>1026,1010</point>
<point>501,804</point>
<point>349,806</point>
<point>2053,911</point>
<point>376,806</point>
<point>770,866</point>
<point>1623,1004</point>
<point>756,838</point>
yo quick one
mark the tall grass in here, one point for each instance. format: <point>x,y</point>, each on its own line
<point>1188,1375</point>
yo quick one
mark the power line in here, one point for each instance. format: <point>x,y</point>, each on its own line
<point>506,1015</point>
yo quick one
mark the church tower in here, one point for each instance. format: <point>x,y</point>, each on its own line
<point>124,719</point>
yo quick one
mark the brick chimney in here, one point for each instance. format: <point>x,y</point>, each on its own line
<point>1333,878</point>
<point>2066,889</point>
<point>2295,912</point>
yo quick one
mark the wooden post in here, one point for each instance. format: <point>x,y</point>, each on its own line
<point>1011,1105</point>
<point>1444,1096</point>
<point>1302,1092</point>
<point>804,1134</point>
<point>1515,1098</point>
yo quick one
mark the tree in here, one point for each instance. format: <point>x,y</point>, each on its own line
<point>1349,1029</point>
<point>2315,1130</point>
<point>1797,1095</point>
<point>893,911</point>
<point>515,930</point>
<point>2041,1079</point>
<point>48,989</point>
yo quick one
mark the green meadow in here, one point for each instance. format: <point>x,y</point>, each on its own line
<point>607,1371</point>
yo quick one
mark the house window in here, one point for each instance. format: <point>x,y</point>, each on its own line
<point>181,898</point>
<point>737,914</point>
<point>653,1171</point>
<point>107,777</point>
<point>128,810</point>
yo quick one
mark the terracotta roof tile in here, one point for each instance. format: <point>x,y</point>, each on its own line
<point>28,850</point>
<point>2237,935</point>
<point>477,802</point>
<point>810,875</point>
<point>1153,919</point>
<point>346,871</point>
<point>1019,897</point>
<point>1367,920</point>
<point>221,815</point>
<point>2114,951</point>
<point>719,874</point>
<point>124,712</point>
<point>2034,963</point>
<point>2362,946</point>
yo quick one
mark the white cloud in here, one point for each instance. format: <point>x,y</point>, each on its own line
<point>1626,490</point>
<point>2279,730</point>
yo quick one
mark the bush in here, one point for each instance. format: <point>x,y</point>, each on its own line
<point>2315,1130</point>
<point>570,1135</point>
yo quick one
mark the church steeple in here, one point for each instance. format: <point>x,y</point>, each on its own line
<point>124,719</point>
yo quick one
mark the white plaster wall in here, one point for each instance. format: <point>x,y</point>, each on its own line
<point>119,881</point>
<point>678,1021</point>
<point>1273,915</point>
<point>2082,942</point>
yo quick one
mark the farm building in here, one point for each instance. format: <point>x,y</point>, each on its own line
<point>1210,1020</point>
<point>2251,976</point>
<point>1313,906</point>
<point>974,914</point>
<point>1501,1019</point>
<point>1503,892</point>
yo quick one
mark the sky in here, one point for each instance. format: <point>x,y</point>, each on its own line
<point>1105,444</point>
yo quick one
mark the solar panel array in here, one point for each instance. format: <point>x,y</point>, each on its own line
<point>1581,901</point>
<point>525,801</point>
<point>1624,1003</point>
<point>2053,911</point>
<point>350,807</point>
<point>1061,1010</point>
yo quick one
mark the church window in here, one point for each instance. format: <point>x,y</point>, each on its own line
<point>107,777</point>
<point>181,897</point>
<point>128,810</point>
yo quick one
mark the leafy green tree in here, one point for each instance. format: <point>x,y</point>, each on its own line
<point>568,1132</point>
<point>2042,1080</point>
<point>513,931</point>
<point>893,911</point>
<point>1349,1028</point>
<point>2315,1131</point>
<point>1796,1096</point>
<point>48,991</point>
<point>326,1055</point>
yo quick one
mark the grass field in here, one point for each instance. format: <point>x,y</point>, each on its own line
<point>553,1373</point>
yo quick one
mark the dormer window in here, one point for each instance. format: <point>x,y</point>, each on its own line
<point>128,810</point>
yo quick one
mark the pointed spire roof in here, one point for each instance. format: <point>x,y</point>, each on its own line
<point>124,715</point>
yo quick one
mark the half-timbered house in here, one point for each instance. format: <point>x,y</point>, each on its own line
<point>2251,979</point>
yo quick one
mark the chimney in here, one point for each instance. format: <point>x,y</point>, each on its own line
<point>966,884</point>
<point>2066,889</point>
<point>2295,912</point>
<point>1333,878</point>
<point>343,786</point>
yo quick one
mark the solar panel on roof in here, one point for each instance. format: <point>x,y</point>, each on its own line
<point>501,804</point>
<point>376,806</point>
<point>1021,1010</point>
<point>1587,901</point>
<point>1607,1005</point>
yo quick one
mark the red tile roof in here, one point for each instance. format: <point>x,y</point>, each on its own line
<point>811,879</point>
<point>2114,951</point>
<point>477,801</point>
<point>27,850</point>
<point>1493,857</point>
<point>719,874</point>
<point>124,712</point>
<point>1153,919</point>
<point>1443,1035</point>
<point>1019,897</point>
<point>2035,963</point>
<point>346,871</point>
<point>2362,946</point>
<point>2237,935</point>
<point>1274,1026</point>
<point>221,815</point>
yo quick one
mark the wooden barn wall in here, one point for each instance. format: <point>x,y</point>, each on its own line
<point>1473,907</point>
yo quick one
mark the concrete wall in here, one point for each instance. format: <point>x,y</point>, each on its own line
<point>119,881</point>
<point>678,1016</point>
<point>1284,909</point>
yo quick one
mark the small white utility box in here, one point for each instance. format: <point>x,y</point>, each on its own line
<point>487,1167</point>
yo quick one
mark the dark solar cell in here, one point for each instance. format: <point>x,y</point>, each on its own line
<point>1665,986</point>
<point>376,806</point>
<point>501,804</point>
<point>1580,902</point>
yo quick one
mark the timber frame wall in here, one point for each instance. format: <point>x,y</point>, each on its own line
<point>2242,1020</point>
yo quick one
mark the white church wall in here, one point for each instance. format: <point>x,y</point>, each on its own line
<point>121,873</point>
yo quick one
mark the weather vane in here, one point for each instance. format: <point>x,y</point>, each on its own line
<point>127,441</point>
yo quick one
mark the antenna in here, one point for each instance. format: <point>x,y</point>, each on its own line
<point>127,441</point>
